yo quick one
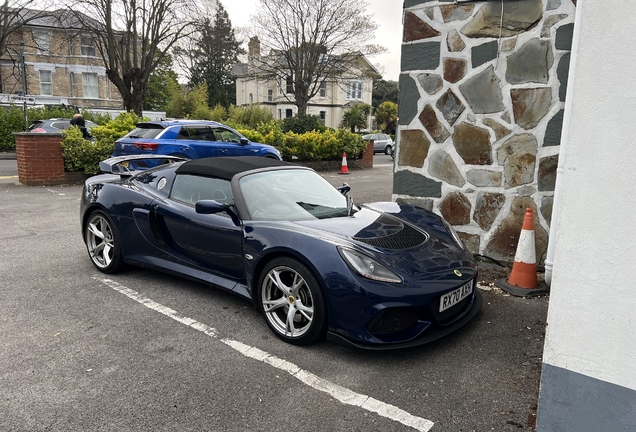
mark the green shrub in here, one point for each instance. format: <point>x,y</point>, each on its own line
<point>81,154</point>
<point>251,116</point>
<point>97,118</point>
<point>302,123</point>
<point>218,113</point>
<point>116,128</point>
<point>84,155</point>
<point>11,120</point>
<point>315,146</point>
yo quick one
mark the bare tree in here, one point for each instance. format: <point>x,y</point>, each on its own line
<point>133,37</point>
<point>13,19</point>
<point>311,41</point>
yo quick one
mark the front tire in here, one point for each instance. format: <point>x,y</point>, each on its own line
<point>292,302</point>
<point>103,243</point>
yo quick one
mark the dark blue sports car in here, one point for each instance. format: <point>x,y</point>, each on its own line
<point>379,275</point>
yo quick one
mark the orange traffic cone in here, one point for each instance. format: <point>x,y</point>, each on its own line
<point>523,278</point>
<point>344,169</point>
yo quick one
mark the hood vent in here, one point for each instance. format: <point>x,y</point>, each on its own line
<point>405,238</point>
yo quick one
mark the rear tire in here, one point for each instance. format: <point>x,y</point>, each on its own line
<point>387,150</point>
<point>103,243</point>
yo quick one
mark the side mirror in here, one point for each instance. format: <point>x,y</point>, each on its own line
<point>245,141</point>
<point>209,207</point>
<point>214,207</point>
<point>344,189</point>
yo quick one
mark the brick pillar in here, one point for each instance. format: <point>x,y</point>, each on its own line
<point>367,156</point>
<point>40,160</point>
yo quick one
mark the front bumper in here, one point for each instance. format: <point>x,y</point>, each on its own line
<point>429,335</point>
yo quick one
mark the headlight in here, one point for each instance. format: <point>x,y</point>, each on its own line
<point>368,267</point>
<point>452,232</point>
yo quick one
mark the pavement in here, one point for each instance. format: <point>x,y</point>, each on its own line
<point>146,351</point>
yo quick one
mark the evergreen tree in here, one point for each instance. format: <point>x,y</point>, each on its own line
<point>384,91</point>
<point>216,52</point>
<point>162,85</point>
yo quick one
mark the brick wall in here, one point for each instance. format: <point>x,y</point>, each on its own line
<point>40,160</point>
<point>367,156</point>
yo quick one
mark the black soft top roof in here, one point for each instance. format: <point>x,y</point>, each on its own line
<point>228,167</point>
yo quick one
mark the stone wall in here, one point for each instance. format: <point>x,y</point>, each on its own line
<point>481,111</point>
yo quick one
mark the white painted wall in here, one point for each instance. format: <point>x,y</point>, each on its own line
<point>592,313</point>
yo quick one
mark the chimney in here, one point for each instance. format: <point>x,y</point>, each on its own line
<point>253,48</point>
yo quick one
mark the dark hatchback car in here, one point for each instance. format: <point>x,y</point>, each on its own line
<point>191,139</point>
<point>55,125</point>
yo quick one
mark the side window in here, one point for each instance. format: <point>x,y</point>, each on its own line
<point>189,189</point>
<point>196,133</point>
<point>225,135</point>
<point>61,125</point>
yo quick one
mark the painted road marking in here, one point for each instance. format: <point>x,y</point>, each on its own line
<point>342,394</point>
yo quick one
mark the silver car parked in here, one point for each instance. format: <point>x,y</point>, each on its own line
<point>382,143</point>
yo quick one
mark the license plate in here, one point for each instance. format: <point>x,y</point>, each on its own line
<point>450,299</point>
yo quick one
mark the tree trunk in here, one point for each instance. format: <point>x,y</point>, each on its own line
<point>134,103</point>
<point>302,106</point>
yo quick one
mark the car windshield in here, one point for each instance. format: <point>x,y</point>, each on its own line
<point>291,194</point>
<point>367,137</point>
<point>145,131</point>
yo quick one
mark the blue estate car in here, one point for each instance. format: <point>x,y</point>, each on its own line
<point>190,139</point>
<point>380,275</point>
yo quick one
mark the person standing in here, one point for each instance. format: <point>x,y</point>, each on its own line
<point>79,122</point>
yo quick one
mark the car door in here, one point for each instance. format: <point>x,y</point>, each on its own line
<point>197,141</point>
<point>229,143</point>
<point>211,241</point>
<point>378,145</point>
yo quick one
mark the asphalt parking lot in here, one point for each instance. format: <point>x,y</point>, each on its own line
<point>144,351</point>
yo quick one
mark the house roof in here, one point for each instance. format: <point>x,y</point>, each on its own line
<point>60,18</point>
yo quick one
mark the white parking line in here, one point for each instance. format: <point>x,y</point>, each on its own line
<point>339,393</point>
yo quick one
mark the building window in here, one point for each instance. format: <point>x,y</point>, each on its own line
<point>46,83</point>
<point>88,46</point>
<point>323,117</point>
<point>251,98</point>
<point>323,89</point>
<point>354,90</point>
<point>290,85</point>
<point>73,85</point>
<point>43,43</point>
<point>90,86</point>
<point>270,95</point>
<point>289,113</point>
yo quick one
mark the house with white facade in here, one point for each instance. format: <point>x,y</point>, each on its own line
<point>334,98</point>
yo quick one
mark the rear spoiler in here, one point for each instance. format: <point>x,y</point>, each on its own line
<point>127,166</point>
